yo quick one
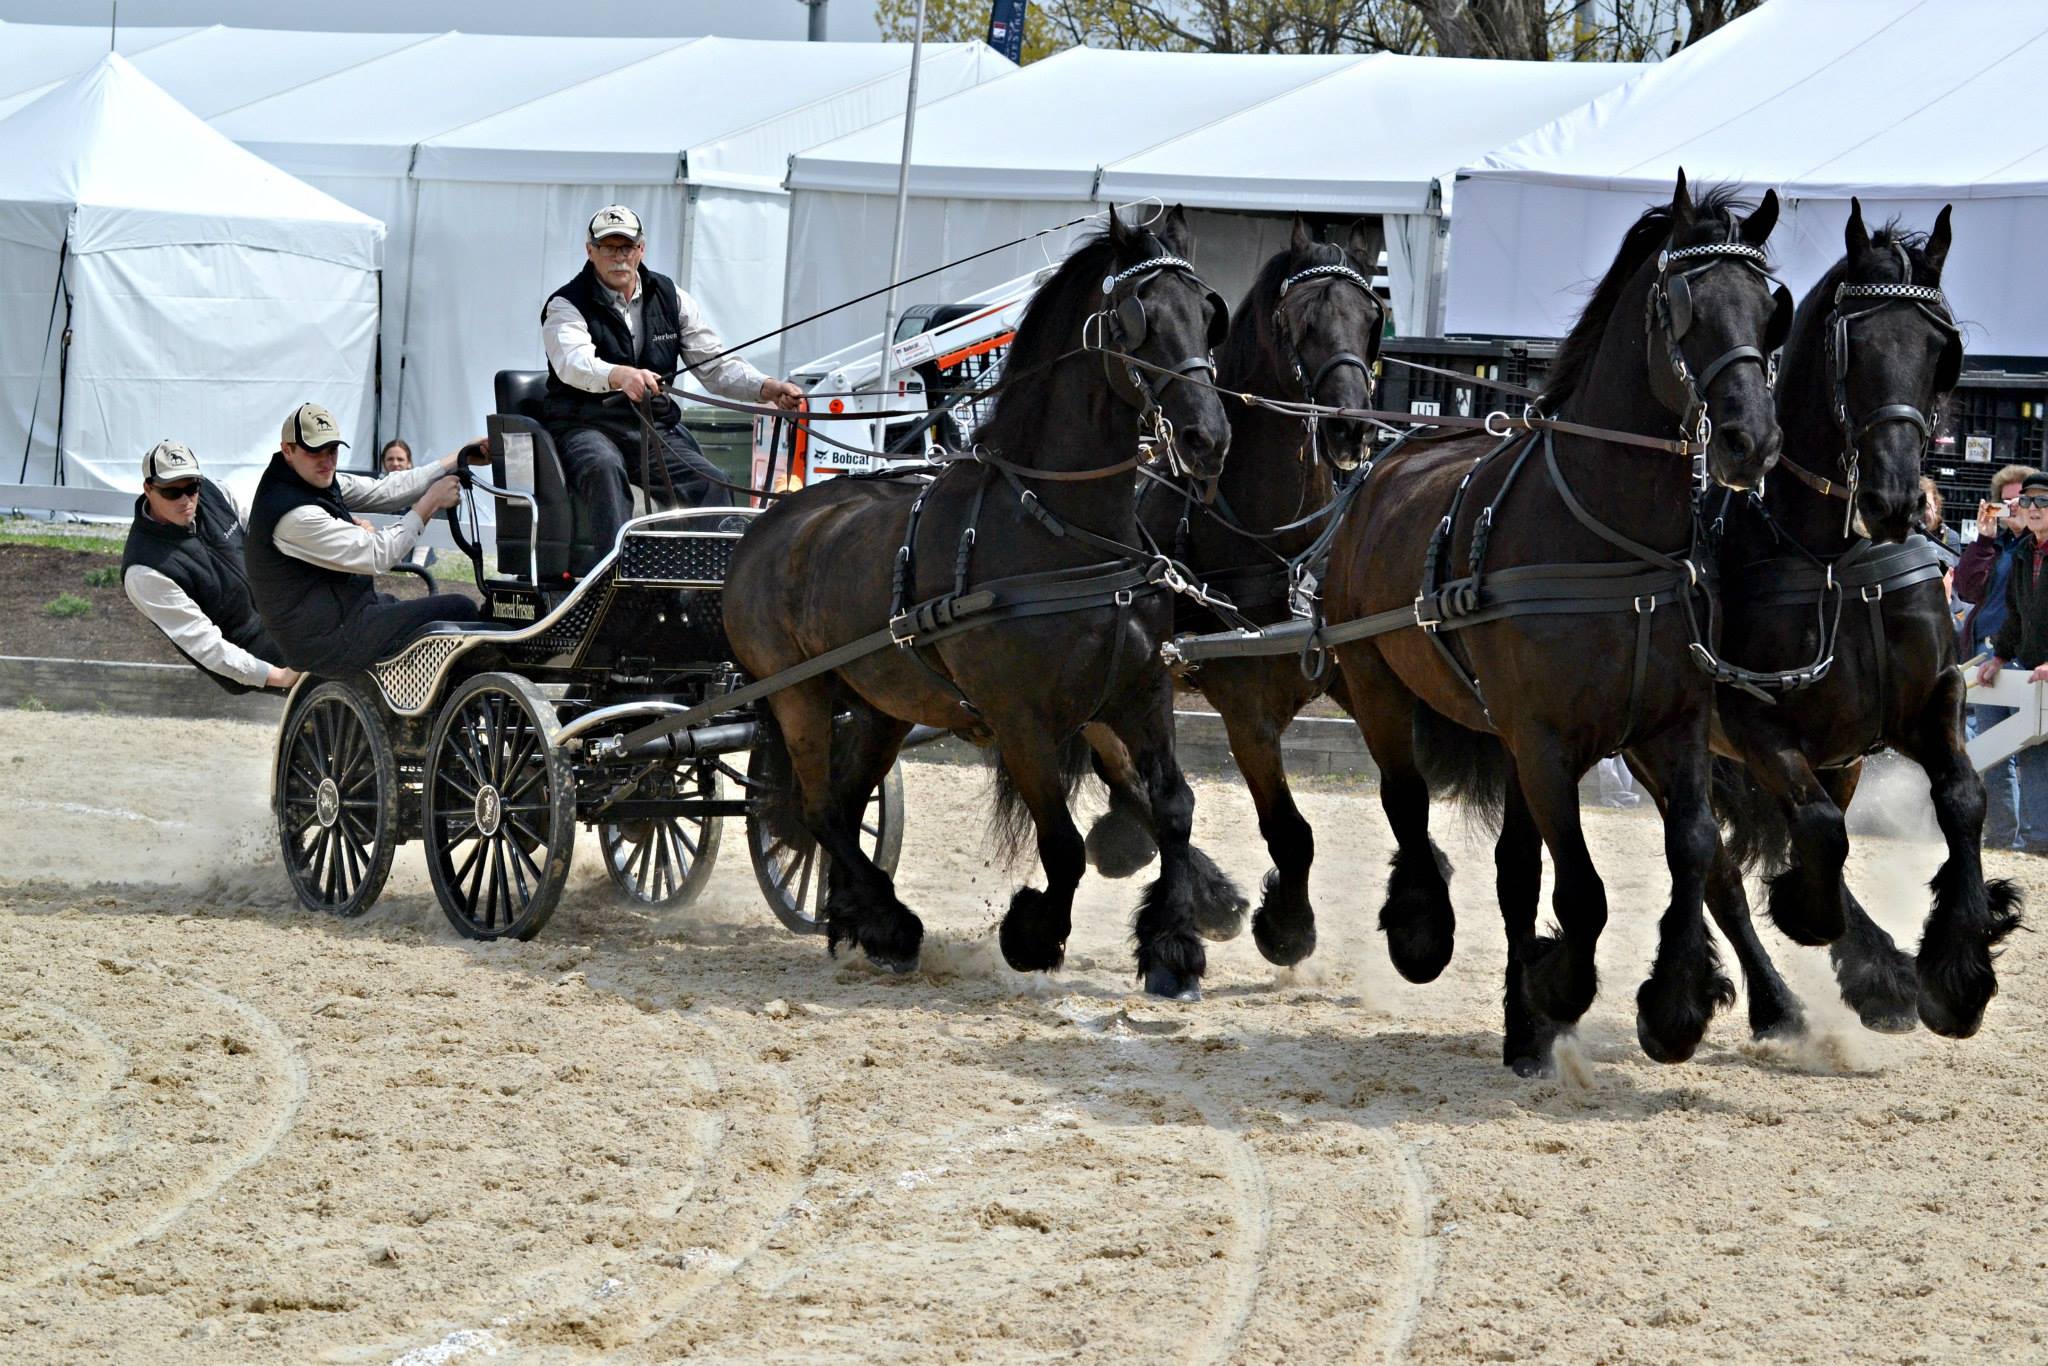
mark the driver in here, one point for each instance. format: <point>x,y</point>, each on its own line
<point>620,328</point>
<point>311,563</point>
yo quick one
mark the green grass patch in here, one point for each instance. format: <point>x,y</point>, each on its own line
<point>60,540</point>
<point>67,605</point>
<point>106,576</point>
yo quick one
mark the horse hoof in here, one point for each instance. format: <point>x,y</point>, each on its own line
<point>1784,1029</point>
<point>1172,986</point>
<point>1889,1021</point>
<point>1219,906</point>
<point>1946,1021</point>
<point>1031,939</point>
<point>894,964</point>
<point>1530,1068</point>
<point>1119,844</point>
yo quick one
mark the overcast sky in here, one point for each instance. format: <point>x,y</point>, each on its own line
<point>846,20</point>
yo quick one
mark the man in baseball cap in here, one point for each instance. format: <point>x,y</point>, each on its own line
<point>615,336</point>
<point>312,565</point>
<point>183,569</point>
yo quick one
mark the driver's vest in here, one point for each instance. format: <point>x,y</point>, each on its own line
<point>206,561</point>
<point>659,349</point>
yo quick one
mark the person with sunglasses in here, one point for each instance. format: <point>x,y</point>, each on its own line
<point>613,337</point>
<point>1981,577</point>
<point>183,569</point>
<point>313,564</point>
<point>2022,639</point>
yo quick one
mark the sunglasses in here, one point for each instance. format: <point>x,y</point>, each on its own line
<point>174,492</point>
<point>2032,500</point>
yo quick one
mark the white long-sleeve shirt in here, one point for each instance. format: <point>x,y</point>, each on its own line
<point>312,535</point>
<point>171,610</point>
<point>573,355</point>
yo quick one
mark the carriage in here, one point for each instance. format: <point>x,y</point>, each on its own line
<point>491,742</point>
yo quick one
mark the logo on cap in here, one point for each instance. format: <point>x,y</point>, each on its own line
<point>614,220</point>
<point>170,462</point>
<point>311,426</point>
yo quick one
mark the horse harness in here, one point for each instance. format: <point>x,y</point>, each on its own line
<point>1932,304</point>
<point>1120,327</point>
<point>1647,580</point>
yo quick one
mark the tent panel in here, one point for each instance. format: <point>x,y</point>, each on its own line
<point>735,265</point>
<point>29,351</point>
<point>211,345</point>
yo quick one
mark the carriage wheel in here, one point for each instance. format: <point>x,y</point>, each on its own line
<point>336,796</point>
<point>665,861</point>
<point>791,871</point>
<point>499,808</point>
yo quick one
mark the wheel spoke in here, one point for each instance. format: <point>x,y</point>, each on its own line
<point>448,779</point>
<point>684,835</point>
<point>520,862</point>
<point>481,864</point>
<point>804,886</point>
<point>501,891</point>
<point>475,851</point>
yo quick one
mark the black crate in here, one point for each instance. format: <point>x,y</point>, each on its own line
<point>1514,361</point>
<point>1995,418</point>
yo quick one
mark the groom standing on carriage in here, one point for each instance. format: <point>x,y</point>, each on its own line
<point>614,336</point>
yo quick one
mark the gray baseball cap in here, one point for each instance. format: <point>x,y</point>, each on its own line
<point>169,462</point>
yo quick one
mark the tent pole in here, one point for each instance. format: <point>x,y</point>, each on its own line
<point>902,207</point>
<point>412,249</point>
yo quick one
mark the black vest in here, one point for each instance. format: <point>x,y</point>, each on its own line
<point>659,350</point>
<point>205,560</point>
<point>310,610</point>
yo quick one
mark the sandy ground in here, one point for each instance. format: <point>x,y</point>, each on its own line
<point>233,1132</point>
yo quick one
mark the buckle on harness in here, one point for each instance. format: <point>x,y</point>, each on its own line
<point>1651,609</point>
<point>1428,624</point>
<point>1871,592</point>
<point>1123,597</point>
<point>903,630</point>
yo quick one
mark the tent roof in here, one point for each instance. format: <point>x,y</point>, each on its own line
<point>1893,99</point>
<point>654,113</point>
<point>1081,109</point>
<point>116,162</point>
<point>1370,137</point>
<point>34,55</point>
<point>212,70</point>
<point>365,119</point>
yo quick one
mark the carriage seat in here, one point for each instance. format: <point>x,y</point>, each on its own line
<point>523,456</point>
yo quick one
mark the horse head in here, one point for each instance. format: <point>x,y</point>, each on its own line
<point>1714,316</point>
<point>1155,309</point>
<point>1890,353</point>
<point>1327,325</point>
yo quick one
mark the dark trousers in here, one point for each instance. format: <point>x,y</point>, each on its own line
<point>600,471</point>
<point>389,624</point>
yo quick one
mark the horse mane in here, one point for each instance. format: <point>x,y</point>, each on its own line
<point>1050,320</point>
<point>1251,342</point>
<point>1576,354</point>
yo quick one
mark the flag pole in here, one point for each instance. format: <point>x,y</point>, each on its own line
<point>902,208</point>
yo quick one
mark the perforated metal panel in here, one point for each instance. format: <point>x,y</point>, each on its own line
<point>684,559</point>
<point>410,680</point>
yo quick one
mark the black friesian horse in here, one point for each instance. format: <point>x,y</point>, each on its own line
<point>816,571</point>
<point>1874,353</point>
<point>1309,330</point>
<point>1680,313</point>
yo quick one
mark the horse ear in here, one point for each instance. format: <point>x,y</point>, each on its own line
<point>1681,203</point>
<point>1938,240</point>
<point>1301,239</point>
<point>1120,233</point>
<point>1855,236</point>
<point>1756,229</point>
<point>1367,239</point>
<point>1173,232</point>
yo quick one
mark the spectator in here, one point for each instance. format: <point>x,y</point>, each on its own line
<point>2023,639</point>
<point>1934,528</point>
<point>395,458</point>
<point>1980,578</point>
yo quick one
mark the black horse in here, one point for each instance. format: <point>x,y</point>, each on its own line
<point>1567,636</point>
<point>1309,330</point>
<point>1825,558</point>
<point>1048,494</point>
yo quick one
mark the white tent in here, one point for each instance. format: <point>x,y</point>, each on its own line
<point>694,137</point>
<point>33,56</point>
<point>1908,104</point>
<point>158,281</point>
<point>1249,138</point>
<point>352,134</point>
<point>210,70</point>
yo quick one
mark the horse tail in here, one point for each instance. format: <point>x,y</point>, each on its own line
<point>1011,828</point>
<point>1465,766</point>
<point>1758,836</point>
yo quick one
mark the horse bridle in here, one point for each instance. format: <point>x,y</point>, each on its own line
<point>1931,303</point>
<point>1311,383</point>
<point>1120,327</point>
<point>1669,311</point>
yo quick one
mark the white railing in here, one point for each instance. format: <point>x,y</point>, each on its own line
<point>2028,725</point>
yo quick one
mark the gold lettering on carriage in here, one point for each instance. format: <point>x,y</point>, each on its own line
<point>512,609</point>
